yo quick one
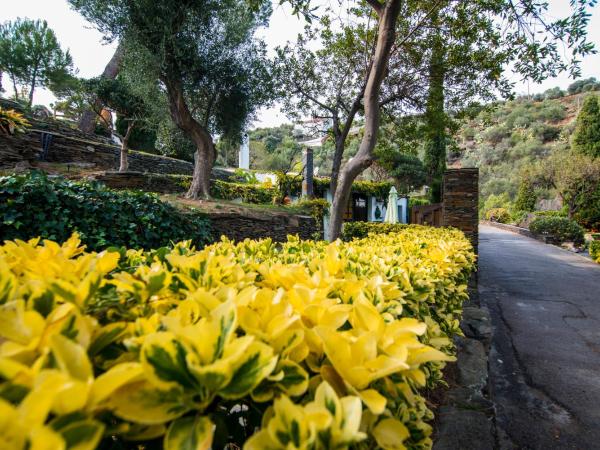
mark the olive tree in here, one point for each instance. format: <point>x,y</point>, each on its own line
<point>482,34</point>
<point>212,68</point>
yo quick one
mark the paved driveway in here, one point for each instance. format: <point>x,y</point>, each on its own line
<point>545,356</point>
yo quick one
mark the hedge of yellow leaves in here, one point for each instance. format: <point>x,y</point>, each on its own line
<point>301,345</point>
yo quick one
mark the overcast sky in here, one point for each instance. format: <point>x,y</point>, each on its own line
<point>90,53</point>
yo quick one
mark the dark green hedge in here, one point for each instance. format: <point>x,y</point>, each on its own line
<point>561,228</point>
<point>34,205</point>
<point>362,229</point>
<point>289,184</point>
<point>595,250</point>
<point>249,193</point>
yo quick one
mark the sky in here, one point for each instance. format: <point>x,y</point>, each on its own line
<point>90,53</point>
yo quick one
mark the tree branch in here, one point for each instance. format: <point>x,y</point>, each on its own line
<point>378,7</point>
<point>300,91</point>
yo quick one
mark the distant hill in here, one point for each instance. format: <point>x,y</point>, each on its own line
<point>503,138</point>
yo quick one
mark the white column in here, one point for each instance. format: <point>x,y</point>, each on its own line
<point>244,155</point>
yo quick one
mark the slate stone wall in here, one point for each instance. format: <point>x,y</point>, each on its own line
<point>275,226</point>
<point>69,145</point>
<point>460,206</point>
<point>149,182</point>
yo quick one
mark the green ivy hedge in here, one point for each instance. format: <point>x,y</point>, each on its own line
<point>359,230</point>
<point>249,193</point>
<point>34,205</point>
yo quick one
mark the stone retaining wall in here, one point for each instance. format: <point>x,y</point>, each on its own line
<point>275,226</point>
<point>69,145</point>
<point>150,182</point>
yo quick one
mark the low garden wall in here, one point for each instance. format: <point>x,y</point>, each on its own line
<point>238,226</point>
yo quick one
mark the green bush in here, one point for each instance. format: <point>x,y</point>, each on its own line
<point>359,230</point>
<point>34,205</point>
<point>249,193</point>
<point>526,197</point>
<point>418,201</point>
<point>595,250</point>
<point>561,228</point>
<point>550,213</point>
<point>500,215</point>
<point>243,176</point>
<point>316,207</point>
<point>518,216</point>
<point>588,210</point>
<point>290,184</point>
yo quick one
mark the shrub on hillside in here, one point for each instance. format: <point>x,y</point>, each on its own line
<point>500,215</point>
<point>561,228</point>
<point>526,197</point>
<point>360,230</point>
<point>545,132</point>
<point>587,212</point>
<point>495,201</point>
<point>551,112</point>
<point>585,85</point>
<point>495,134</point>
<point>586,139</point>
<point>249,193</point>
<point>53,208</point>
<point>553,93</point>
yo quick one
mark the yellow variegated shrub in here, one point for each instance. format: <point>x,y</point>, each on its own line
<point>301,345</point>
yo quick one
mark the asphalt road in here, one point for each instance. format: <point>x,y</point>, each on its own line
<point>545,355</point>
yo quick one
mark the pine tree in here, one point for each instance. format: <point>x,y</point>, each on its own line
<point>586,139</point>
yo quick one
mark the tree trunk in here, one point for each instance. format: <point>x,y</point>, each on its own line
<point>205,155</point>
<point>87,123</point>
<point>14,83</point>
<point>124,161</point>
<point>388,17</point>
<point>336,164</point>
<point>341,134</point>
<point>32,86</point>
<point>435,117</point>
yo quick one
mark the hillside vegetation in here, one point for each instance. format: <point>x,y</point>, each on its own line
<point>506,138</point>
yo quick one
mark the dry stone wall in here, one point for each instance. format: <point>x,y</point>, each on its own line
<point>149,182</point>
<point>69,145</point>
<point>275,226</point>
